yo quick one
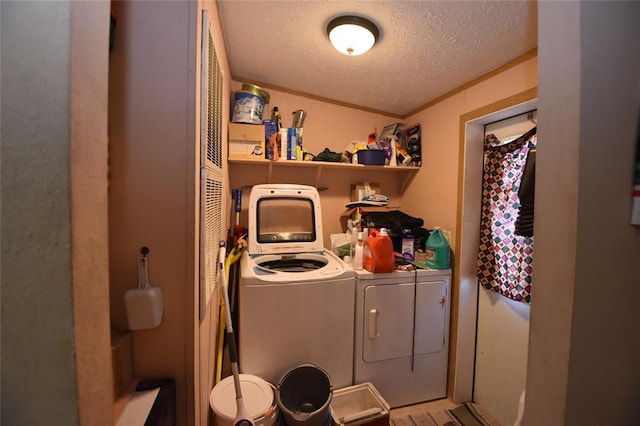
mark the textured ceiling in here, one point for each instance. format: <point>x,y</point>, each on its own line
<point>426,48</point>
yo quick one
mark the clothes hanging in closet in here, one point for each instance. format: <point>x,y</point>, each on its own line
<point>526,194</point>
<point>505,258</point>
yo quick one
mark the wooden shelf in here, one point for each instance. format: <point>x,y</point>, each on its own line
<point>318,167</point>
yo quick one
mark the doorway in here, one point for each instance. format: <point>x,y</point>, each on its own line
<point>465,301</point>
<point>502,323</point>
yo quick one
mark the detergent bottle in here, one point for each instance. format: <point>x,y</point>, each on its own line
<point>437,250</point>
<point>378,252</point>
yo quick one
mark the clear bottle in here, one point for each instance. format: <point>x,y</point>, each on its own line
<point>358,253</point>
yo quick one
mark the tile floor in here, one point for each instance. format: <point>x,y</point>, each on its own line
<point>435,405</point>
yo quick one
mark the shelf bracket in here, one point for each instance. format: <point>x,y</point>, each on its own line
<point>318,174</point>
<point>269,171</point>
<point>407,180</point>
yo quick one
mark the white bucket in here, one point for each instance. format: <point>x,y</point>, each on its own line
<point>257,396</point>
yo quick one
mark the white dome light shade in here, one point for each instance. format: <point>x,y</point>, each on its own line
<point>352,35</point>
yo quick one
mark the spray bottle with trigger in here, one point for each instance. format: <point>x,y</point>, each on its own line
<point>393,141</point>
<point>358,256</point>
<point>276,118</point>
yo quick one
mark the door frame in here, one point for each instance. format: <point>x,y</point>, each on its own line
<point>465,297</point>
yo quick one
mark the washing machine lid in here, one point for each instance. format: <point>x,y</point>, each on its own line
<point>285,218</point>
<point>294,267</point>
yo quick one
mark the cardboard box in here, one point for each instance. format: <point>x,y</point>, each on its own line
<point>360,189</point>
<point>246,140</point>
<point>359,405</point>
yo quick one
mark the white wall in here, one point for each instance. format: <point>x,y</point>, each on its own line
<point>584,341</point>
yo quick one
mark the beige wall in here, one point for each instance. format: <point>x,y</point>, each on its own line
<point>155,151</point>
<point>584,337</point>
<point>55,327</point>
<point>326,125</point>
<point>434,191</point>
<point>89,186</point>
<point>153,181</point>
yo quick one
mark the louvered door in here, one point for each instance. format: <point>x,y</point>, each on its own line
<point>211,177</point>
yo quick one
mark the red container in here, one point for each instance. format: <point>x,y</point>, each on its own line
<point>378,252</point>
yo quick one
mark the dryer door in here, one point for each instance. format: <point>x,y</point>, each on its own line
<point>431,317</point>
<point>388,323</point>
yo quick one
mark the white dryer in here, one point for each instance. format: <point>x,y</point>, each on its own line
<point>296,300</point>
<point>402,334</point>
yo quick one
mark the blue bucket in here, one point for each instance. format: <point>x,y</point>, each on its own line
<point>247,108</point>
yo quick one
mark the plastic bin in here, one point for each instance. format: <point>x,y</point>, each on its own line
<point>359,405</point>
<point>371,157</point>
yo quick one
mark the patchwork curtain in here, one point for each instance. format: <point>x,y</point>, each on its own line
<point>504,259</point>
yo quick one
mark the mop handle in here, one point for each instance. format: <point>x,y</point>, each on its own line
<point>231,338</point>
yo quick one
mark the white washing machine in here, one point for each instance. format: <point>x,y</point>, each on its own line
<point>402,334</point>
<point>296,300</point>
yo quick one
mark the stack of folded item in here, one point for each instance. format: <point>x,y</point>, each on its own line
<point>370,200</point>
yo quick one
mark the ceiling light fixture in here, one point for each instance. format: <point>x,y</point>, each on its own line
<point>352,35</point>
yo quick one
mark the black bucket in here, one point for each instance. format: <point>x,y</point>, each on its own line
<point>304,395</point>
